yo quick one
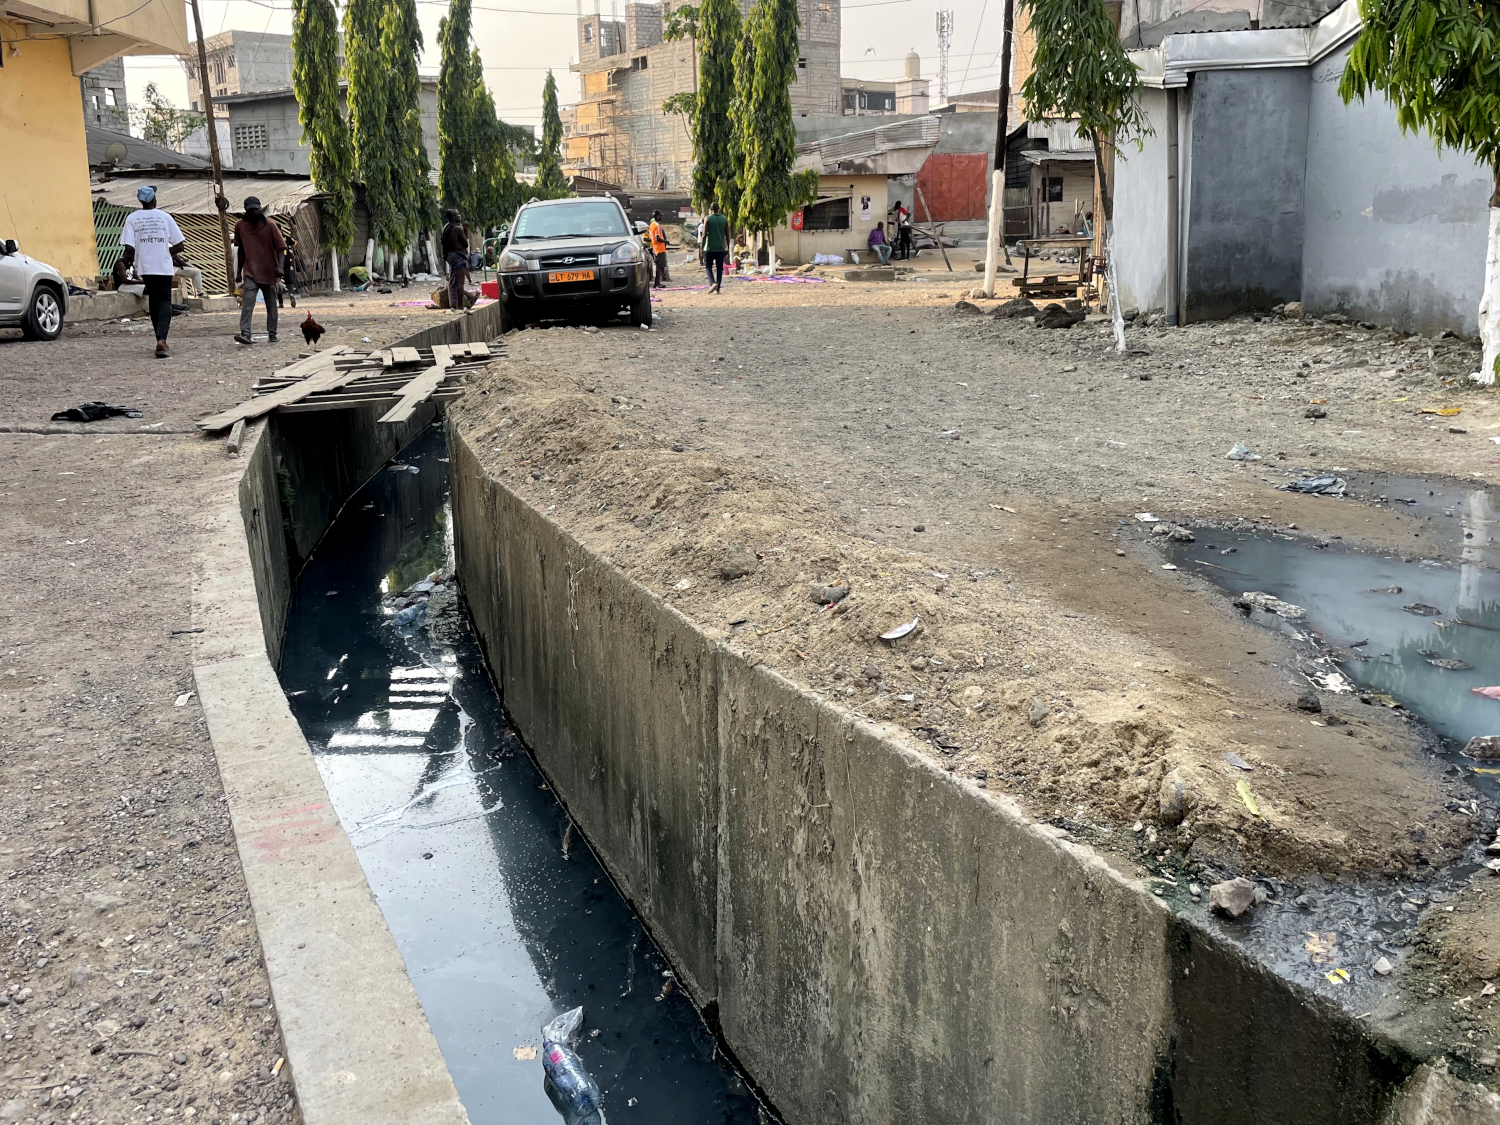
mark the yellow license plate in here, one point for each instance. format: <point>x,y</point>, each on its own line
<point>570,275</point>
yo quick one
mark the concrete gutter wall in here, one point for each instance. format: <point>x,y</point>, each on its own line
<point>357,1040</point>
<point>877,941</point>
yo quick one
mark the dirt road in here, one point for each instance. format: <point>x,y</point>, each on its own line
<point>982,475</point>
<point>134,983</point>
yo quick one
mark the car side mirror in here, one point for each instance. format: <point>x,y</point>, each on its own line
<point>640,227</point>
<point>11,247</point>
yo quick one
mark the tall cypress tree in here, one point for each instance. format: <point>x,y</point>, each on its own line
<point>369,116</point>
<point>550,183</point>
<point>719,37</point>
<point>459,121</point>
<point>315,82</point>
<point>414,204</point>
<point>767,132</point>
<point>497,194</point>
<point>730,189</point>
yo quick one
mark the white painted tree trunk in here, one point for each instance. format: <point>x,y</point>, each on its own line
<point>992,243</point>
<point>370,256</point>
<point>1116,316</point>
<point>333,259</point>
<point>1489,304</point>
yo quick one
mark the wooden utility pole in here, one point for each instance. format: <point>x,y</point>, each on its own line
<point>996,244</point>
<point>221,204</point>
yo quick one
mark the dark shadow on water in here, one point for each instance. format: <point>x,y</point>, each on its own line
<point>501,911</point>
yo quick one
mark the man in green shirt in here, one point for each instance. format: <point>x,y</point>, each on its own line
<point>715,247</point>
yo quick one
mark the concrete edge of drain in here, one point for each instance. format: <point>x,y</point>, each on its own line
<point>1428,1092</point>
<point>358,1042</point>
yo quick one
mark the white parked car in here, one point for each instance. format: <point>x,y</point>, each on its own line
<point>33,295</point>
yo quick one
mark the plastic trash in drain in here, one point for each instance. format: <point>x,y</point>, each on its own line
<point>574,1093</point>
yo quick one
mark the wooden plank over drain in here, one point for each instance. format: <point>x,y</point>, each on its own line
<point>405,356</point>
<point>418,391</point>
<point>323,377</point>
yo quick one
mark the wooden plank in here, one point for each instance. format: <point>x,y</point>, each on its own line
<point>313,404</point>
<point>323,378</point>
<point>443,353</point>
<point>403,356</point>
<point>480,349</point>
<point>236,438</point>
<point>315,362</point>
<point>416,393</point>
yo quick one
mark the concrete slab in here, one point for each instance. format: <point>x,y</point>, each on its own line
<point>104,306</point>
<point>221,303</point>
<point>870,273</point>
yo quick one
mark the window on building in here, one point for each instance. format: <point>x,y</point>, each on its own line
<point>825,12</point>
<point>1054,189</point>
<point>109,96</point>
<point>588,33</point>
<point>801,64</point>
<point>826,214</point>
<point>640,63</point>
<point>250,136</point>
<point>230,61</point>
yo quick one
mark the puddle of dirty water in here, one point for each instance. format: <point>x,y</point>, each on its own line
<point>503,914</point>
<point>1385,620</point>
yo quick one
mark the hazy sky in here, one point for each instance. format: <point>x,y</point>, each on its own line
<point>521,39</point>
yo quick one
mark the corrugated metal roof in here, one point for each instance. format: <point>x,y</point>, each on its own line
<point>138,153</point>
<point>922,132</point>
<point>190,195</point>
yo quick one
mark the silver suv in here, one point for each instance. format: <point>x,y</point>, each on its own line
<point>33,295</point>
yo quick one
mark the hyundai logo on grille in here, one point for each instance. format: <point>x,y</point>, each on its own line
<point>567,261</point>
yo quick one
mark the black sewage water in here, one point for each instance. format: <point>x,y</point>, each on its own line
<point>502,912</point>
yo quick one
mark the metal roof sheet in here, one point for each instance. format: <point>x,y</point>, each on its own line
<point>191,195</point>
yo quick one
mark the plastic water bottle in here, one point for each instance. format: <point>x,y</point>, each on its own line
<point>571,1089</point>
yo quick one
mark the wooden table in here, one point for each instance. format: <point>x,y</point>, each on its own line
<point>1051,285</point>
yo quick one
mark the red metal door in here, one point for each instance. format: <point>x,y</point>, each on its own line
<point>953,186</point>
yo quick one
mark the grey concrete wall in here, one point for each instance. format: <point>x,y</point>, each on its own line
<point>1249,155</point>
<point>1141,213</point>
<point>1396,228</point>
<point>284,150</point>
<point>877,941</point>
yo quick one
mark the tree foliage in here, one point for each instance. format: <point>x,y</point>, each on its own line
<point>767,131</point>
<point>1081,73</point>
<point>550,182</point>
<point>497,194</point>
<point>683,102</point>
<point>457,111</point>
<point>730,190</point>
<point>718,41</point>
<point>369,117</point>
<point>1438,62</point>
<point>682,23</point>
<point>315,82</point>
<point>161,122</point>
<point>415,205</point>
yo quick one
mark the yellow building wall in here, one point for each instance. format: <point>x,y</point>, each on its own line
<point>797,247</point>
<point>44,189</point>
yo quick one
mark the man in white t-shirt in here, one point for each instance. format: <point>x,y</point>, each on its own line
<point>151,241</point>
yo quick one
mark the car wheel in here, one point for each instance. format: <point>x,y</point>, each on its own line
<point>640,312</point>
<point>44,316</point>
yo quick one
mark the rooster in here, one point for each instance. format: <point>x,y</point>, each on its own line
<point>311,330</point>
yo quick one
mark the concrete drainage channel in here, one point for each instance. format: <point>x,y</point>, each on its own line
<point>873,940</point>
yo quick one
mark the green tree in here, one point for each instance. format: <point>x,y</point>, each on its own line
<point>550,183</point>
<point>1082,74</point>
<point>457,110</point>
<point>370,117</point>
<point>497,193</point>
<point>414,207</point>
<point>161,122</point>
<point>1438,63</point>
<point>767,133</point>
<point>684,102</point>
<point>718,38</point>
<point>315,82</point>
<point>730,190</point>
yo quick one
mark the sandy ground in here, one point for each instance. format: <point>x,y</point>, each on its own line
<point>134,987</point>
<point>975,473</point>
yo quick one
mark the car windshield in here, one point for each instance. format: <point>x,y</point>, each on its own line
<point>588,218</point>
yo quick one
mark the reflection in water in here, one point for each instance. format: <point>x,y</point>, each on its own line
<point>1350,598</point>
<point>502,913</point>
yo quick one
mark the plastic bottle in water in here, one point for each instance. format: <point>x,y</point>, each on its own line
<point>571,1089</point>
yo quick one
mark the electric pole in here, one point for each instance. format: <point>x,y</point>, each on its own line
<point>221,204</point>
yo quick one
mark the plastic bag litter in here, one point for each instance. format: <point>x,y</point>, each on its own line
<point>575,1094</point>
<point>1321,486</point>
<point>1241,452</point>
<point>827,260</point>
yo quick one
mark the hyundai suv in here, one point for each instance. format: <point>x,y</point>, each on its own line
<point>33,295</point>
<point>578,260</point>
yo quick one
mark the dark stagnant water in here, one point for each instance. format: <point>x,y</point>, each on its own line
<point>502,912</point>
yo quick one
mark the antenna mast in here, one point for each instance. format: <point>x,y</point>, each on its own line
<point>945,40</point>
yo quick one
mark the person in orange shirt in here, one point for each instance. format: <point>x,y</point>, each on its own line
<point>658,235</point>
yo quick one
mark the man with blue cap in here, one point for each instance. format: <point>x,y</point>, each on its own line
<point>151,241</point>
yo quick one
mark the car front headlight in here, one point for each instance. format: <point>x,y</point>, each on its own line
<point>626,253</point>
<point>511,262</point>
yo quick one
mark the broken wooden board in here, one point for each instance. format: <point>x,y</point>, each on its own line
<point>321,375</point>
<point>401,357</point>
<point>442,394</point>
<point>418,391</point>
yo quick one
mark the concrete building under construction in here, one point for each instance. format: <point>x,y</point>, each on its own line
<point>617,131</point>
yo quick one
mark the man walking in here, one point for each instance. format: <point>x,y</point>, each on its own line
<point>659,249</point>
<point>257,267</point>
<point>456,254</point>
<point>715,247</point>
<point>150,239</point>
